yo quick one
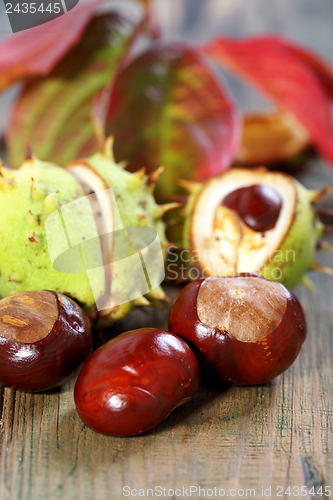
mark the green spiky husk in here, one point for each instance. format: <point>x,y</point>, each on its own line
<point>24,258</point>
<point>33,192</point>
<point>296,255</point>
<point>137,207</point>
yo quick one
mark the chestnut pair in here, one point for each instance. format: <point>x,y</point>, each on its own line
<point>242,330</point>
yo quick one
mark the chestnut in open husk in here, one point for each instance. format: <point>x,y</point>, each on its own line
<point>255,221</point>
<point>132,383</point>
<point>245,329</point>
<point>44,339</point>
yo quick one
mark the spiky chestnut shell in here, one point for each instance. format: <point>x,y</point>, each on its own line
<point>33,192</point>
<point>27,197</point>
<point>137,207</point>
<point>290,245</point>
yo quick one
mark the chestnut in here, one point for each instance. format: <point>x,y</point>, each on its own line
<point>244,329</point>
<point>44,339</point>
<point>259,206</point>
<point>132,383</point>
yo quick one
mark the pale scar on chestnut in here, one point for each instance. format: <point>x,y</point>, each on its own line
<point>229,306</point>
<point>28,318</point>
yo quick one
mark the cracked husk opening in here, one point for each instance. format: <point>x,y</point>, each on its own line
<point>102,208</point>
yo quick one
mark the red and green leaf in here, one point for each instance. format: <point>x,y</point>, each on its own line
<point>293,78</point>
<point>53,112</point>
<point>168,109</point>
<point>37,51</point>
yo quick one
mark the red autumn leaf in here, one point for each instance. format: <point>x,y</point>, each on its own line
<point>318,66</point>
<point>37,51</point>
<point>289,75</point>
<point>168,109</point>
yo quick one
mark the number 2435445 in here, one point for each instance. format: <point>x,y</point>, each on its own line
<point>299,491</point>
<point>32,8</point>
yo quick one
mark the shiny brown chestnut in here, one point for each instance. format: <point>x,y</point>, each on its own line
<point>132,383</point>
<point>44,338</point>
<point>244,329</point>
<point>259,206</point>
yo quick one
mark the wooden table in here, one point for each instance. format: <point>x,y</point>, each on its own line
<point>238,439</point>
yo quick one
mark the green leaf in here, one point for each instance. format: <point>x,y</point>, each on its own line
<point>53,112</point>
